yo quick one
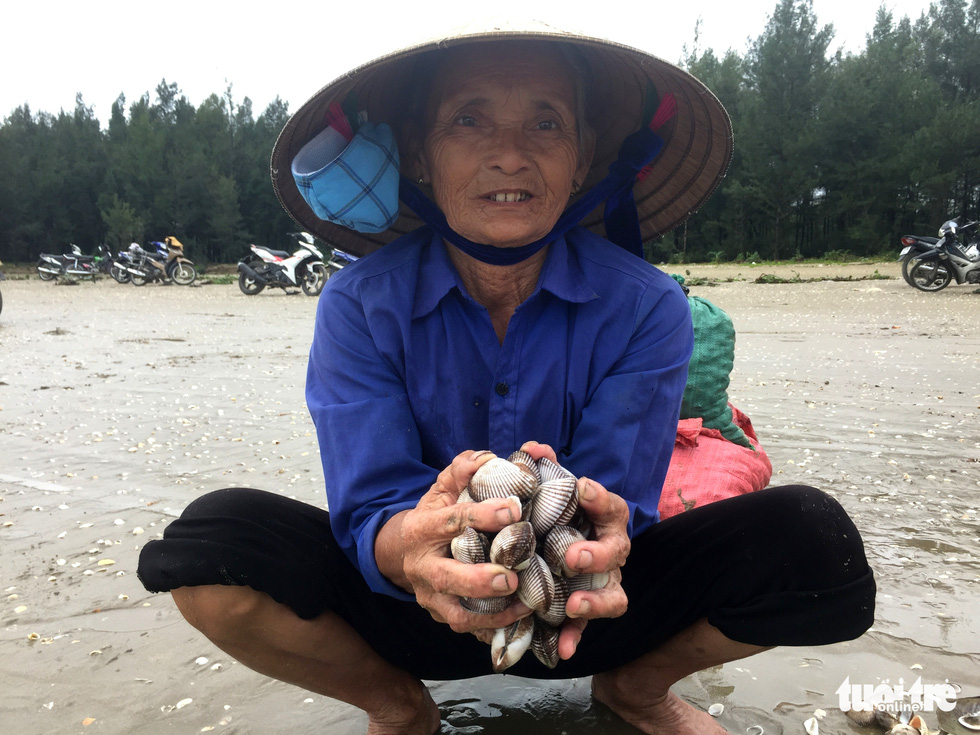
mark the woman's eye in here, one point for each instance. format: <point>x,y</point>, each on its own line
<point>547,125</point>
<point>466,120</point>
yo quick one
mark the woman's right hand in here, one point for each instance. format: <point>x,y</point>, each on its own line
<point>412,550</point>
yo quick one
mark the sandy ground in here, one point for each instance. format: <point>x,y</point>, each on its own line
<point>119,405</point>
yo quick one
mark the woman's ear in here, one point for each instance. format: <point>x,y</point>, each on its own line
<point>417,165</point>
<point>421,169</point>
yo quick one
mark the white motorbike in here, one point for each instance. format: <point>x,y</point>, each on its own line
<point>266,267</point>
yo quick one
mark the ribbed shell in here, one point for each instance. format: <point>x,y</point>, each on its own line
<point>524,460</point>
<point>548,470</point>
<point>550,502</point>
<point>544,644</point>
<point>536,585</point>
<point>555,614</point>
<point>571,510</point>
<point>588,582</point>
<point>555,545</point>
<point>470,547</point>
<point>513,546</point>
<point>499,478</point>
<point>487,605</point>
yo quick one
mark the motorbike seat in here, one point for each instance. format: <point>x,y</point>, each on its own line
<point>276,253</point>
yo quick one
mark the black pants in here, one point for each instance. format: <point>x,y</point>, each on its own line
<point>783,566</point>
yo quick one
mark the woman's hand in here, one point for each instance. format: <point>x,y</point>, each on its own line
<point>412,550</point>
<point>609,515</point>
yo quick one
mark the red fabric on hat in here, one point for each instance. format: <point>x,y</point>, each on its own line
<point>706,467</point>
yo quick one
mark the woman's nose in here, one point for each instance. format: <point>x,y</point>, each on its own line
<point>509,149</point>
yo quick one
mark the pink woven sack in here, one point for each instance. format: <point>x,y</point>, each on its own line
<point>706,467</point>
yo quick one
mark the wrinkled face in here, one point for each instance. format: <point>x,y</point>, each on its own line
<point>502,146</point>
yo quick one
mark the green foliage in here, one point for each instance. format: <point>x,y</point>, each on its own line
<point>123,226</point>
<point>841,152</point>
<point>158,168</point>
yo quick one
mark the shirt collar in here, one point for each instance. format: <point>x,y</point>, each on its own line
<point>561,275</point>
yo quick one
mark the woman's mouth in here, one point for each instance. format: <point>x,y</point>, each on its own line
<point>510,196</point>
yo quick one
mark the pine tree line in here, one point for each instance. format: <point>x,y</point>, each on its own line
<point>833,153</point>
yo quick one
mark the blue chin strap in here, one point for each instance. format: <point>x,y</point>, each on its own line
<point>616,189</point>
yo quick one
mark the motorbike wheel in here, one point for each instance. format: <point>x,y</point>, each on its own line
<point>908,264</point>
<point>119,275</point>
<point>315,277</point>
<point>930,275</point>
<point>249,286</point>
<point>44,275</point>
<point>183,274</point>
<point>138,280</point>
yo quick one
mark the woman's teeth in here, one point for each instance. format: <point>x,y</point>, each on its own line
<point>510,197</point>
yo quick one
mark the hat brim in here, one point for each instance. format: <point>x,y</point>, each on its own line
<point>694,160</point>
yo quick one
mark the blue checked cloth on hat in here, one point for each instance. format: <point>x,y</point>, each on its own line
<point>351,184</point>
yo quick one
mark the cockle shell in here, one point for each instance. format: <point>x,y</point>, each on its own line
<point>551,501</point>
<point>964,717</point>
<point>510,643</point>
<point>470,547</point>
<point>513,546</point>
<point>555,613</point>
<point>498,478</point>
<point>525,460</point>
<point>535,585</point>
<point>556,544</point>
<point>548,470</point>
<point>487,605</point>
<point>544,644</point>
<point>588,582</point>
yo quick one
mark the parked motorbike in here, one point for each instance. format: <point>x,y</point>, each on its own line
<point>147,265</point>
<point>74,264</point>
<point>337,260</point>
<point>121,264</point>
<point>179,267</point>
<point>266,267</point>
<point>949,258</point>
<point>914,246</point>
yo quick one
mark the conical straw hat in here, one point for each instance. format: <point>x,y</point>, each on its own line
<point>692,163</point>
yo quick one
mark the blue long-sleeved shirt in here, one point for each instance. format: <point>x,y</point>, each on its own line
<point>406,372</point>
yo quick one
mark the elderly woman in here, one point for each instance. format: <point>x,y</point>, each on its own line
<point>490,320</point>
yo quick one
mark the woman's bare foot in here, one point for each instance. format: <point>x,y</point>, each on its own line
<point>664,715</point>
<point>421,719</point>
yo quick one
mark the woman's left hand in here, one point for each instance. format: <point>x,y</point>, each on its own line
<point>609,516</point>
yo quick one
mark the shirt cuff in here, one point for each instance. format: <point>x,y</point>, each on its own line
<point>366,560</point>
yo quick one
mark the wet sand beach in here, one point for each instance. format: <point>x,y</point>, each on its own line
<point>119,405</point>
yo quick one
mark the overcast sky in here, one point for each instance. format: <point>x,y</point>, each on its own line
<point>52,50</point>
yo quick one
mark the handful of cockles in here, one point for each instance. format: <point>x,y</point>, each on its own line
<point>534,547</point>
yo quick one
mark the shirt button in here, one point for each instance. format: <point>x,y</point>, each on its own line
<point>502,389</point>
